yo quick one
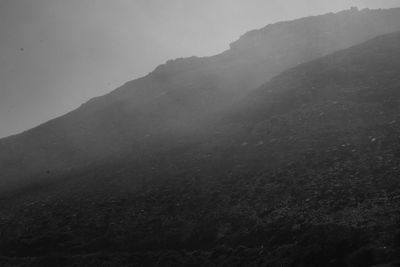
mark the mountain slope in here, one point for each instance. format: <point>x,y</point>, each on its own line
<point>302,172</point>
<point>179,97</point>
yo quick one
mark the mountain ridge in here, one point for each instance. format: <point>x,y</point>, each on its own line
<point>308,178</point>
<point>180,96</point>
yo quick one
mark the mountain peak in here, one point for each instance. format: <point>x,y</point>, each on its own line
<point>315,26</point>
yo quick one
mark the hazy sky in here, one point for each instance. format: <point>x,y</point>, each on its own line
<point>57,54</point>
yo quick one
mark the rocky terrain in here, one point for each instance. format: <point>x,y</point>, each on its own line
<point>302,170</point>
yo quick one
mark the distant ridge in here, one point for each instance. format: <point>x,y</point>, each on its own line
<point>189,167</point>
<point>181,96</point>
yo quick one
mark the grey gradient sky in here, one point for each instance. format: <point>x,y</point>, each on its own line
<point>57,54</point>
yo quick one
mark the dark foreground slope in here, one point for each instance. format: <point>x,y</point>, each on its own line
<point>303,172</point>
<point>152,114</point>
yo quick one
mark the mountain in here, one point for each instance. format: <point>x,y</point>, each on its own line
<point>303,171</point>
<point>162,110</point>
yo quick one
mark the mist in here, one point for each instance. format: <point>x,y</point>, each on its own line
<point>188,133</point>
<point>56,55</point>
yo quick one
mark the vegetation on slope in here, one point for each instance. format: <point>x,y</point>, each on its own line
<point>178,98</point>
<point>303,172</point>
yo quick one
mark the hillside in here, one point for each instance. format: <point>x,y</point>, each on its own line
<point>301,172</point>
<point>153,114</point>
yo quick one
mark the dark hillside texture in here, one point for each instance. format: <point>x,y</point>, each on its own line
<point>148,116</point>
<point>304,171</point>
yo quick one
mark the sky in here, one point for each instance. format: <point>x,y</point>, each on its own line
<point>57,54</point>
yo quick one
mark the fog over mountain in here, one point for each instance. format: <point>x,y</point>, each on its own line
<point>178,98</point>
<point>56,55</point>
<point>282,150</point>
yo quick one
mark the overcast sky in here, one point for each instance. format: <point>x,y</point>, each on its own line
<point>57,54</point>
